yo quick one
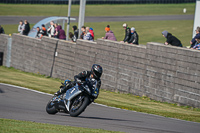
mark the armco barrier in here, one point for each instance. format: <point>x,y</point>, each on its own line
<point>161,72</point>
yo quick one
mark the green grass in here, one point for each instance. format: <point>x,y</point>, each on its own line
<point>96,10</point>
<point>29,80</point>
<point>16,126</point>
<point>148,31</point>
<point>123,101</point>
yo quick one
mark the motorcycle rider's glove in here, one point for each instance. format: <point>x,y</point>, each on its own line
<point>78,81</point>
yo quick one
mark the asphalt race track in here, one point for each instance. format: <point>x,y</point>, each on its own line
<point>23,104</point>
<point>4,20</point>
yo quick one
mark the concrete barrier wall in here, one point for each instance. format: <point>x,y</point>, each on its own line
<point>64,61</point>
<point>172,74</point>
<point>33,55</point>
<point>3,46</point>
<point>123,65</point>
<point>161,72</point>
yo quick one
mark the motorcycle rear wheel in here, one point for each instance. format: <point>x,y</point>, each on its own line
<point>50,108</point>
<point>79,105</point>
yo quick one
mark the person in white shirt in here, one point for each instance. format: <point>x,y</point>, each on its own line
<point>51,29</point>
<point>21,27</point>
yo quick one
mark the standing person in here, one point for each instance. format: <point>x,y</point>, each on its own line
<point>109,34</point>
<point>134,37</point>
<point>51,29</point>
<point>56,30</point>
<point>38,35</point>
<point>71,35</point>
<point>2,30</point>
<point>171,39</point>
<point>193,41</point>
<point>127,32</point>
<point>197,46</point>
<point>88,35</point>
<point>83,32</point>
<point>75,35</point>
<point>26,28</point>
<point>91,32</point>
<point>61,33</point>
<point>21,27</point>
<point>43,31</point>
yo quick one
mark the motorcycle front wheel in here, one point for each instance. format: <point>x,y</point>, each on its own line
<point>78,105</point>
<point>50,108</point>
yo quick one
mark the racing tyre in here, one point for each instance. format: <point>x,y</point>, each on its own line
<point>50,108</point>
<point>78,105</point>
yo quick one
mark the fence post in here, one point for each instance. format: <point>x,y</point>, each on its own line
<point>8,56</point>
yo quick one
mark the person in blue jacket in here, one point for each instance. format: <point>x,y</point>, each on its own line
<point>193,42</point>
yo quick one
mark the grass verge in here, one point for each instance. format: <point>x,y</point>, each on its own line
<point>123,101</point>
<point>16,126</point>
<point>96,10</point>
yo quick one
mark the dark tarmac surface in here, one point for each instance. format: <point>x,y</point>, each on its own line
<point>4,20</point>
<point>20,104</point>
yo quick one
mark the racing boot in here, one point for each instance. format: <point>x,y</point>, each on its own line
<point>64,88</point>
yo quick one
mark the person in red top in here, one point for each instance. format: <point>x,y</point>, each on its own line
<point>91,32</point>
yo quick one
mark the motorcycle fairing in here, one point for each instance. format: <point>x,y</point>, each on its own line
<point>70,94</point>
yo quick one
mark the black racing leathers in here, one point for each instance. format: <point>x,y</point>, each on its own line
<point>85,76</point>
<point>127,34</point>
<point>93,84</point>
<point>134,39</point>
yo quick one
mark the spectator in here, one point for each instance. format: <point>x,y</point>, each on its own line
<point>71,35</point>
<point>197,46</point>
<point>56,31</point>
<point>2,30</point>
<point>87,35</point>
<point>91,32</point>
<point>134,37</point>
<point>75,35</point>
<point>171,39</point>
<point>109,34</point>
<point>43,31</point>
<point>26,28</point>
<point>193,41</point>
<point>51,29</point>
<point>61,33</point>
<point>127,32</point>
<point>21,27</point>
<point>38,33</point>
<point>83,32</point>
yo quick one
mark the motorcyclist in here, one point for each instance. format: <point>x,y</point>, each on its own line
<point>91,78</point>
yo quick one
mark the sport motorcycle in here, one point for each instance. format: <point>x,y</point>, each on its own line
<point>74,101</point>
